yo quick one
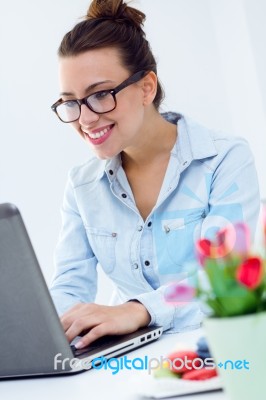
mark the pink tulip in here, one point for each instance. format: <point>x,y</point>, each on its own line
<point>179,293</point>
<point>234,238</point>
<point>225,240</point>
<point>243,241</point>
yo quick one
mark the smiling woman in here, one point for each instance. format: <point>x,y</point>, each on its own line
<point>119,111</point>
<point>157,183</point>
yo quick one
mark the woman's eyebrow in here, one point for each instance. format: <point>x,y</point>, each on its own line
<point>88,89</point>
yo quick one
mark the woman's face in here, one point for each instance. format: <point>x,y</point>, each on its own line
<point>97,70</point>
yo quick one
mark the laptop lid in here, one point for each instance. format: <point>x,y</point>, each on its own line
<point>30,330</point>
<point>32,340</point>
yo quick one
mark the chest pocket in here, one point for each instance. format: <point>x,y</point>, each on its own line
<point>103,244</point>
<point>175,239</point>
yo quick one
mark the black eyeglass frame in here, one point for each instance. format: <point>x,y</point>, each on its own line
<point>129,81</point>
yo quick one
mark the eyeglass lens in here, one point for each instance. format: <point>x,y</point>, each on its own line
<point>99,102</point>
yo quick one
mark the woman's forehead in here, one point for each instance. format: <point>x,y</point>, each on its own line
<point>92,59</point>
<point>78,72</point>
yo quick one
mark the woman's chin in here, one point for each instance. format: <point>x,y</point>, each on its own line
<point>106,154</point>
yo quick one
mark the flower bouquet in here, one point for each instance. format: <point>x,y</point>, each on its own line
<point>231,286</point>
<point>236,278</point>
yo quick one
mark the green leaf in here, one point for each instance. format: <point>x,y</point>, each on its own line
<point>220,281</point>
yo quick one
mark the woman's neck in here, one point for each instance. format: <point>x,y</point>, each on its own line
<point>155,141</point>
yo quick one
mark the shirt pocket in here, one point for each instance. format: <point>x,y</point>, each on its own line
<point>103,244</point>
<point>177,241</point>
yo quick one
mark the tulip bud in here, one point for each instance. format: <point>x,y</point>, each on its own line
<point>250,273</point>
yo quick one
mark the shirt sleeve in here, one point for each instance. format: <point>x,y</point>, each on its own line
<point>172,318</point>
<point>233,196</point>
<point>75,278</point>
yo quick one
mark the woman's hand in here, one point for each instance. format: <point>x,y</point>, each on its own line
<point>103,320</point>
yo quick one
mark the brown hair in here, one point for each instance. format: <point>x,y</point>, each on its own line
<point>112,23</point>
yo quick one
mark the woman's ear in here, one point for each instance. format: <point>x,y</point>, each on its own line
<point>149,88</point>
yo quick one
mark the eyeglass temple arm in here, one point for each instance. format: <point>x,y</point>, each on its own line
<point>132,79</point>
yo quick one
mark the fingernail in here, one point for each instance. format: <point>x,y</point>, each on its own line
<point>79,344</point>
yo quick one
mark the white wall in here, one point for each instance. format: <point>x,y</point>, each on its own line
<point>211,60</point>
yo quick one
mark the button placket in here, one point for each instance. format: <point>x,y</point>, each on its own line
<point>136,264</point>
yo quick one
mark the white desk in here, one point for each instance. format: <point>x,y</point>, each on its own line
<point>100,383</point>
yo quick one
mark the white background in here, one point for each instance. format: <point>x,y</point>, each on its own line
<point>211,61</point>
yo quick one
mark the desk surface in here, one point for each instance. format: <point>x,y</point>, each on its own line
<point>100,382</point>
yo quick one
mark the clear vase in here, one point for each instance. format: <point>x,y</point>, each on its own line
<point>238,345</point>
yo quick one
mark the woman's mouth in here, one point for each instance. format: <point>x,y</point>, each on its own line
<point>100,135</point>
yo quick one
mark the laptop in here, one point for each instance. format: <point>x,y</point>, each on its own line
<point>32,340</point>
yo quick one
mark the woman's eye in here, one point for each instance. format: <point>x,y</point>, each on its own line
<point>70,104</point>
<point>101,95</point>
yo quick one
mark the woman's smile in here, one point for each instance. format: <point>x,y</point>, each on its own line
<point>100,135</point>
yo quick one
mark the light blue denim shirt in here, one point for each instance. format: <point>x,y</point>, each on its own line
<point>210,181</point>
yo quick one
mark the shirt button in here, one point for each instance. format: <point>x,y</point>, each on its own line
<point>149,224</point>
<point>124,195</point>
<point>140,228</point>
<point>135,266</point>
<point>111,172</point>
<point>147,263</point>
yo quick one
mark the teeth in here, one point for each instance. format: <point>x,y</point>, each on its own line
<point>99,134</point>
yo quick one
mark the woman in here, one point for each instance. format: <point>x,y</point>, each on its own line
<point>156,183</point>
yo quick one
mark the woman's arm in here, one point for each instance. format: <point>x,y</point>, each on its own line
<point>75,278</point>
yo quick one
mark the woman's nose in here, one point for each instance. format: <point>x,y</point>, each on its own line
<point>87,117</point>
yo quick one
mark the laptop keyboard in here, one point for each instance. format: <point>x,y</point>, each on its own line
<point>103,341</point>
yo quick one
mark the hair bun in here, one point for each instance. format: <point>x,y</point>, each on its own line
<point>116,10</point>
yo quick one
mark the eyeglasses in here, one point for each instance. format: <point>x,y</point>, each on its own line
<point>100,102</point>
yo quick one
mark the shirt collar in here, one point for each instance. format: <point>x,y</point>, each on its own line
<point>194,142</point>
<point>110,167</point>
